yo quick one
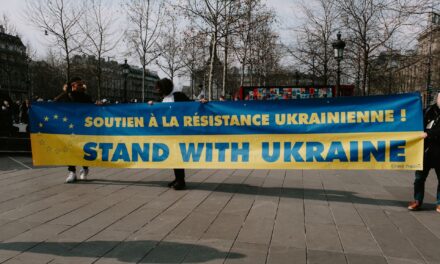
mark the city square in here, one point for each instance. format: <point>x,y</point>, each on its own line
<point>220,131</point>
<point>225,216</point>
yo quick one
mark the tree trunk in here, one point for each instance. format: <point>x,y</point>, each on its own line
<point>325,64</point>
<point>143,83</point>
<point>364,73</point>
<point>358,74</point>
<point>211,65</point>
<point>99,77</point>
<point>192,84</point>
<point>225,68</point>
<point>68,67</point>
<point>242,74</point>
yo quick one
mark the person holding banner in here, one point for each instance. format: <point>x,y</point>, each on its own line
<point>431,155</point>
<point>74,92</point>
<point>165,87</point>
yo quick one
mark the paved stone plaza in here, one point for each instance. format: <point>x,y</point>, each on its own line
<point>225,216</point>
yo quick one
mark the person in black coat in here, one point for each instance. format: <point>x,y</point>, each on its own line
<point>74,92</point>
<point>431,158</point>
<point>6,119</point>
<point>165,88</point>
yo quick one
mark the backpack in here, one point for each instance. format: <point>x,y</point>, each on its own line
<point>180,97</point>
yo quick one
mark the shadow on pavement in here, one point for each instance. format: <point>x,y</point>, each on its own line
<point>298,193</point>
<point>126,251</point>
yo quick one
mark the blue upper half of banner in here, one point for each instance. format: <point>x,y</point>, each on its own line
<point>394,113</point>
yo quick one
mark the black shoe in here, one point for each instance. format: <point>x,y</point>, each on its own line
<point>179,186</point>
<point>171,184</point>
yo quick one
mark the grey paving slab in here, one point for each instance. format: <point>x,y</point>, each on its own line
<point>318,214</point>
<point>322,237</point>
<point>430,220</point>
<point>261,217</point>
<point>325,257</point>
<point>30,257</point>
<point>365,259</point>
<point>421,238</point>
<point>167,220</point>
<point>142,216</point>
<point>390,239</point>
<point>201,218</point>
<point>289,228</point>
<point>13,229</point>
<point>161,253</point>
<point>211,251</point>
<point>248,253</point>
<point>287,255</point>
<point>358,240</point>
<point>392,260</point>
<point>345,214</point>
<point>225,216</point>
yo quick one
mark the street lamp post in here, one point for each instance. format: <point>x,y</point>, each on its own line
<point>125,72</point>
<point>392,66</point>
<point>338,47</point>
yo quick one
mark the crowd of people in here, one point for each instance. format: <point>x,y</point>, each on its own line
<point>13,113</point>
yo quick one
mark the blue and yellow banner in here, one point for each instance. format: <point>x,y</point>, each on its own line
<point>376,132</point>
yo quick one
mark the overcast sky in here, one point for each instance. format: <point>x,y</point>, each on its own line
<point>288,17</point>
<point>14,9</point>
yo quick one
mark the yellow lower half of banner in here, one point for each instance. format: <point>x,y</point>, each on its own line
<point>396,151</point>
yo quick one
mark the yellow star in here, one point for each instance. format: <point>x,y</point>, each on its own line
<point>40,125</point>
<point>46,118</point>
<point>55,117</point>
<point>71,126</point>
<point>65,119</point>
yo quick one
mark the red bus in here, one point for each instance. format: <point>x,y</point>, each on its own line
<point>290,92</point>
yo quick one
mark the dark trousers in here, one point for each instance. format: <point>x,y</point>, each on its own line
<point>73,168</point>
<point>179,174</point>
<point>419,183</point>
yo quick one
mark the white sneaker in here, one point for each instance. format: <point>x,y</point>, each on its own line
<point>83,174</point>
<point>71,177</point>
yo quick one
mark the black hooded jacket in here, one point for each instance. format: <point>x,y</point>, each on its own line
<point>432,142</point>
<point>74,97</point>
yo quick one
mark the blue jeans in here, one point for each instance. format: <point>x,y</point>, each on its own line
<point>419,184</point>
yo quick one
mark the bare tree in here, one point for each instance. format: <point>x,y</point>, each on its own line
<point>195,48</point>
<point>8,26</point>
<point>231,17</point>
<point>59,20</point>
<point>370,24</point>
<point>265,54</point>
<point>170,48</point>
<point>254,17</point>
<point>313,48</point>
<point>145,22</point>
<point>97,25</point>
<point>210,16</point>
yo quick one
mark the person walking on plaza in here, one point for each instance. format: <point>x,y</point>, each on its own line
<point>431,157</point>
<point>165,88</point>
<point>74,92</point>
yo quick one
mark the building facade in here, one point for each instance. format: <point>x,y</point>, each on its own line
<point>14,79</point>
<point>114,81</point>
<point>419,70</point>
<point>47,80</point>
